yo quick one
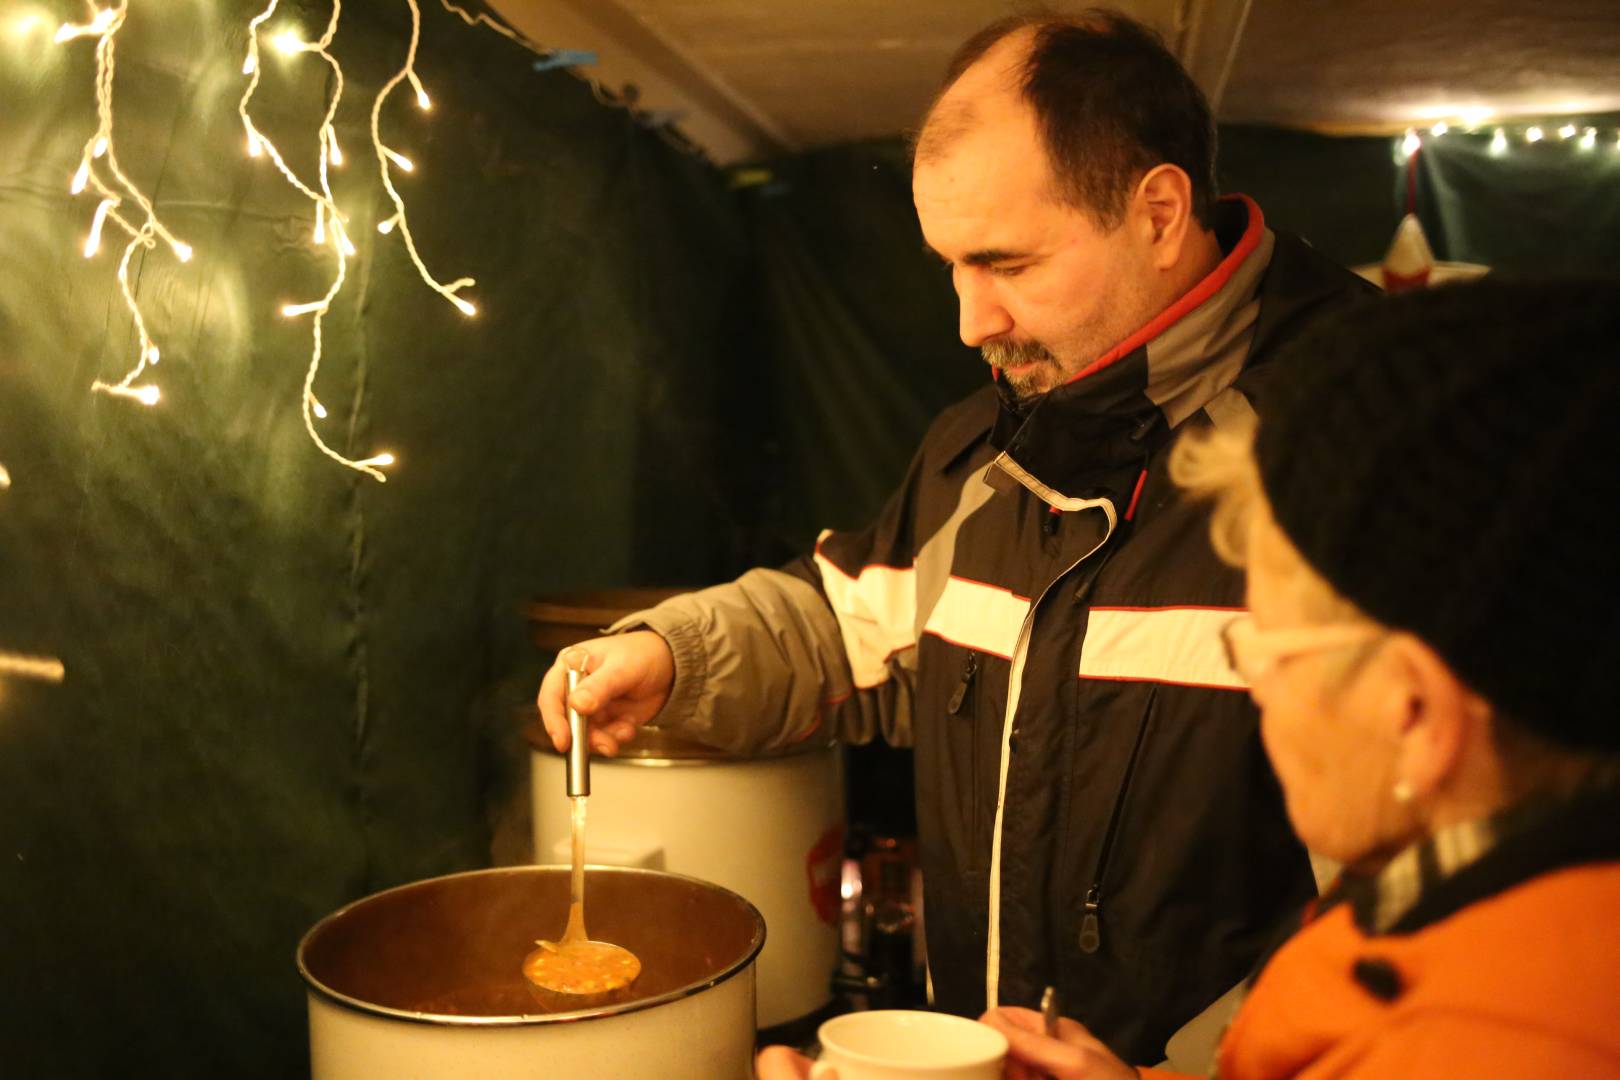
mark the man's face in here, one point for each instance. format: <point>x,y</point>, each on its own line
<point>1044,290</point>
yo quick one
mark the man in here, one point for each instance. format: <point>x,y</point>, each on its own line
<point>1035,609</point>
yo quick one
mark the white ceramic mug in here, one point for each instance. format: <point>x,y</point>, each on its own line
<point>901,1044</point>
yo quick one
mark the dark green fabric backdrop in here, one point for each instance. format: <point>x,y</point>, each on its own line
<point>289,685</point>
<point>1551,207</point>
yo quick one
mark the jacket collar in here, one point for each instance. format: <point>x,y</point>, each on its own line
<point>1122,406</point>
<point>1474,860</point>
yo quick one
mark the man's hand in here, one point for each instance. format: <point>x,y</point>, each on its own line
<point>628,680</point>
<point>1075,1054</point>
<point>780,1063</point>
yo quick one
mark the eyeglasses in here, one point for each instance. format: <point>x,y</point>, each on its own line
<point>1255,653</point>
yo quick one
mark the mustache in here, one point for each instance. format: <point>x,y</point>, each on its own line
<point>1005,354</point>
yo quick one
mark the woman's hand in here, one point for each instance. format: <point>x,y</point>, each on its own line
<point>1075,1054</point>
<point>780,1063</point>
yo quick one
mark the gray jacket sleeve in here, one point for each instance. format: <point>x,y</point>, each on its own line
<point>761,663</point>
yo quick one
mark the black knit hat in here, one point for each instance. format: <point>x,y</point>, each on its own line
<point>1449,460</point>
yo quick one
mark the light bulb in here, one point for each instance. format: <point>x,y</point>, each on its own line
<point>399,159</point>
<point>294,310</point>
<point>249,64</point>
<point>152,355</point>
<point>1589,139</point>
<point>1411,144</point>
<point>93,243</point>
<point>1440,129</point>
<point>181,251</point>
<point>337,151</point>
<point>100,149</point>
<point>1533,134</point>
<point>288,42</point>
<point>466,308</point>
<point>386,227</point>
<point>318,409</point>
<point>147,395</point>
<point>1499,143</point>
<point>80,178</point>
<point>254,148</point>
<point>1567,131</point>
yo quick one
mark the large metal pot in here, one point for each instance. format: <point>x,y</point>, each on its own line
<point>768,826</point>
<point>424,981</point>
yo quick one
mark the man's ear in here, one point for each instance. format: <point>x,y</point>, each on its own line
<point>1164,212</point>
<point>1436,716</point>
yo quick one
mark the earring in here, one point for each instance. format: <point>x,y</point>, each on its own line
<point>1402,792</point>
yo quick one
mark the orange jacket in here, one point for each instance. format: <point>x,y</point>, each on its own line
<point>1523,984</point>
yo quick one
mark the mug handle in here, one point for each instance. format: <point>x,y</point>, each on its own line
<point>820,1070</point>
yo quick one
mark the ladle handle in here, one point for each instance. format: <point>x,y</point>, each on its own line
<point>579,750</point>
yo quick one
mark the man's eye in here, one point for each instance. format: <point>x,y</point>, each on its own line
<point>1009,271</point>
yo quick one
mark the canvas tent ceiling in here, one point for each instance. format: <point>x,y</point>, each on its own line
<point>751,78</point>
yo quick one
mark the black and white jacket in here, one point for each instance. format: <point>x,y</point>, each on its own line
<point>1036,611</point>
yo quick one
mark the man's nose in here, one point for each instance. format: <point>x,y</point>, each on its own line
<point>982,315</point>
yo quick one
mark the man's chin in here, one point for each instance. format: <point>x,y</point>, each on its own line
<point>1029,384</point>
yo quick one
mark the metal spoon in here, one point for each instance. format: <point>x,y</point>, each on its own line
<point>574,964</point>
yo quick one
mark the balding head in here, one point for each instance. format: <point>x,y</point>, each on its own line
<point>1109,100</point>
<point>983,90</point>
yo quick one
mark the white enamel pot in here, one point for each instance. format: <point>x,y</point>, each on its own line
<point>424,981</point>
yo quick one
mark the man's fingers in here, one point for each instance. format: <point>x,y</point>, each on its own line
<point>1055,1057</point>
<point>550,703</point>
<point>616,677</point>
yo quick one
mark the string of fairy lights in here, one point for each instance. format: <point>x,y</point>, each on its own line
<point>1585,138</point>
<point>116,193</point>
<point>99,172</point>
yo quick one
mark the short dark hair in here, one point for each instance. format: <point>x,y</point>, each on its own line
<point>1112,102</point>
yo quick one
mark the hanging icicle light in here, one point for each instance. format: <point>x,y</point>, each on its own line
<point>1533,134</point>
<point>1499,142</point>
<point>1411,144</point>
<point>329,229</point>
<point>387,156</point>
<point>99,171</point>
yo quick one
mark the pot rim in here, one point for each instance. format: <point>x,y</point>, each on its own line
<point>677,752</point>
<point>527,1019</point>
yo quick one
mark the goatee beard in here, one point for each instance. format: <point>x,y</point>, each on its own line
<point>1018,395</point>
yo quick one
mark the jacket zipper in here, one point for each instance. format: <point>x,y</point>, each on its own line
<point>1091,923</point>
<point>969,669</point>
<point>1014,681</point>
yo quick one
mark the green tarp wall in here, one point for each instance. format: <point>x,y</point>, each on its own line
<point>289,685</point>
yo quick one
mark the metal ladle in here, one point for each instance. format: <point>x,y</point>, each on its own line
<point>574,964</point>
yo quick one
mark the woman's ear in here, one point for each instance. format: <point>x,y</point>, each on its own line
<point>1437,717</point>
<point>1164,202</point>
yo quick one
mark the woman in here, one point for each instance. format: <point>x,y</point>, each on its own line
<point>1432,631</point>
